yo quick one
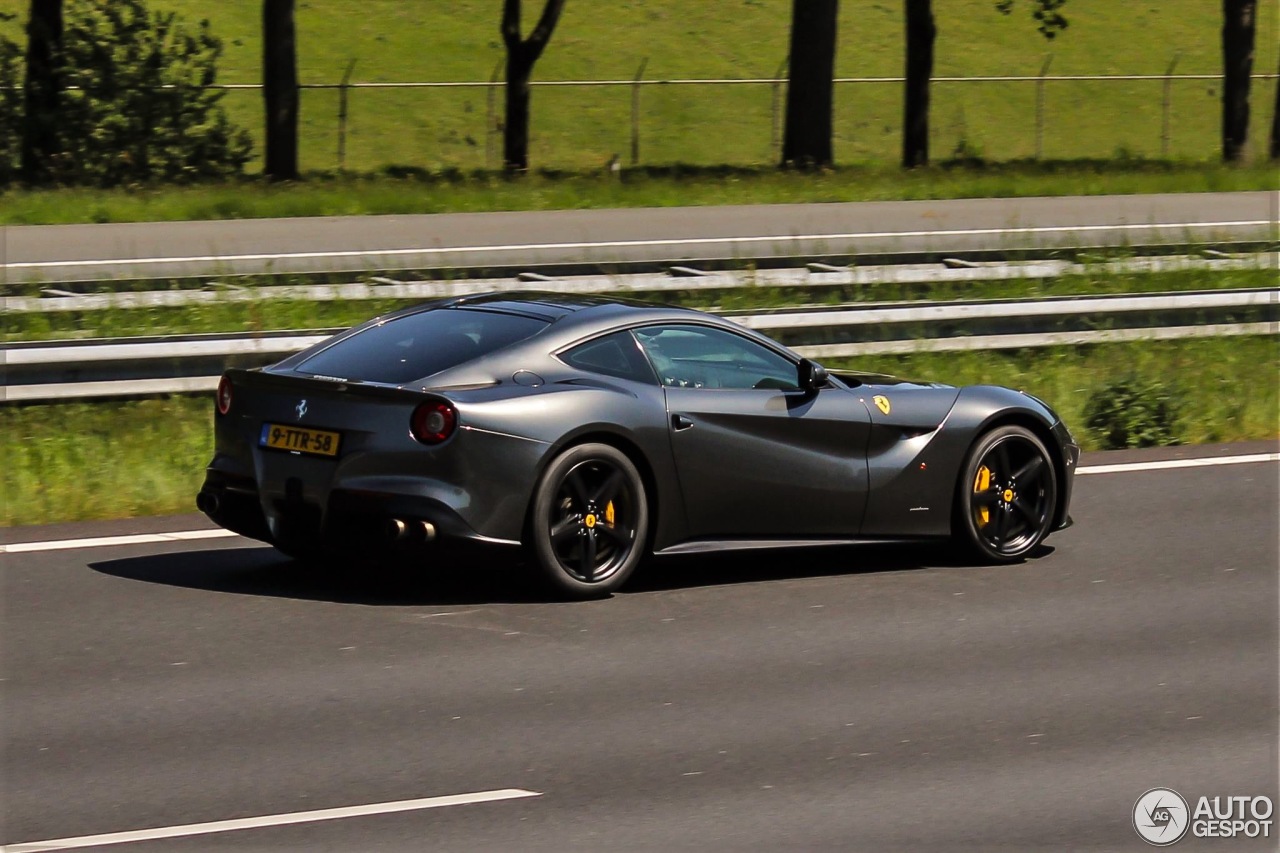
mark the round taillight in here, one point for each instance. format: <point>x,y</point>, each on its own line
<point>432,423</point>
<point>224,395</point>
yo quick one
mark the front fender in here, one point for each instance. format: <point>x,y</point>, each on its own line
<point>913,492</point>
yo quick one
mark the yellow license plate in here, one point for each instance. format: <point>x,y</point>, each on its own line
<point>317,442</point>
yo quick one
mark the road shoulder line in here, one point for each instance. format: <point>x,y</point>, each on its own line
<point>267,820</point>
<point>217,533</point>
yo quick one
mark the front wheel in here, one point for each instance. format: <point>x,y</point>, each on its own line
<point>589,521</point>
<point>1007,494</point>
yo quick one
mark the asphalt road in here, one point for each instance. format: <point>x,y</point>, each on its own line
<point>856,698</point>
<point>610,237</point>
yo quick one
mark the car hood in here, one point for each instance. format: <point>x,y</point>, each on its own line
<point>858,378</point>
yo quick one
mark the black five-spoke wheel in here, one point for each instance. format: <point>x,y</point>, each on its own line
<point>589,520</point>
<point>1007,493</point>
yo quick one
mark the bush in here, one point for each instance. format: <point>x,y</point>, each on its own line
<point>137,111</point>
<point>1133,412</point>
<point>10,107</point>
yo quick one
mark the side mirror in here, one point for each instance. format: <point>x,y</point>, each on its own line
<point>810,375</point>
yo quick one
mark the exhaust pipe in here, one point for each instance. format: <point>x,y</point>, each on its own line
<point>398,530</point>
<point>208,503</point>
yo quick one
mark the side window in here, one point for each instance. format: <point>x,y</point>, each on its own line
<point>703,357</point>
<point>613,355</point>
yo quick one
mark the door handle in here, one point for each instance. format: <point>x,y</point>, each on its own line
<point>680,422</point>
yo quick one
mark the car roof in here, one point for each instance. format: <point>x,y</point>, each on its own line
<point>546,305</point>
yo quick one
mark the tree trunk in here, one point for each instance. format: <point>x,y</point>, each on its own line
<point>515,134</point>
<point>42,90</point>
<point>810,84</point>
<point>921,33</point>
<point>1275,126</point>
<point>1239,22</point>
<point>522,55</point>
<point>280,89</point>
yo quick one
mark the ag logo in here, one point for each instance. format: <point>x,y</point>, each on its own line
<point>1161,816</point>
<point>301,409</point>
<point>882,403</point>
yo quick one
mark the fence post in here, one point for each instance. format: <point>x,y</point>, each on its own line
<point>490,117</point>
<point>1164,109</point>
<point>776,140</point>
<point>1044,69</point>
<point>342,115</point>
<point>635,113</point>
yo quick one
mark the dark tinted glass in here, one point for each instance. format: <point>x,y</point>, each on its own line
<point>420,345</point>
<point>613,355</point>
<point>702,357</point>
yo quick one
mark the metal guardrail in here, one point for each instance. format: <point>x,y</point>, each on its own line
<point>137,367</point>
<point>814,276</point>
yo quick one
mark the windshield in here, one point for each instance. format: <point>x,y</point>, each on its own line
<point>419,345</point>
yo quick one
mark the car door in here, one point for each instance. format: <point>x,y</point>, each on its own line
<point>756,455</point>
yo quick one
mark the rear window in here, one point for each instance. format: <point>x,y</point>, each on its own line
<point>420,345</point>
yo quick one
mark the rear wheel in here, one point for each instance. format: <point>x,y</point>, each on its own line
<point>1007,494</point>
<point>589,521</point>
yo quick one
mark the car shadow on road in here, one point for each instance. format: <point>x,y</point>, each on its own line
<point>780,564</point>
<point>263,571</point>
<point>488,578</point>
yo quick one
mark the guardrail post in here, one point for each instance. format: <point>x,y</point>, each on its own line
<point>1164,108</point>
<point>490,117</point>
<point>342,115</point>
<point>635,113</point>
<point>775,140</point>
<point>1044,69</point>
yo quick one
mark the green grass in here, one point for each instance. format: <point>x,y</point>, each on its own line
<point>1230,386</point>
<point>115,460</point>
<point>67,462</point>
<point>736,39</point>
<point>271,314</point>
<point>413,191</point>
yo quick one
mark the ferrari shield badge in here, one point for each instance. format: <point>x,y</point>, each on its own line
<point>882,403</point>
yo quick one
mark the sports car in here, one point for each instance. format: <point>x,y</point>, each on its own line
<point>595,431</point>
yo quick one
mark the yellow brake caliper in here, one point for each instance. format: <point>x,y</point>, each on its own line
<point>980,484</point>
<point>608,514</point>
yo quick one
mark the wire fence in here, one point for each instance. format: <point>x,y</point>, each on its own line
<point>638,121</point>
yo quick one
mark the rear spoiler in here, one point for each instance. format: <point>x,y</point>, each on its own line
<point>258,377</point>
<point>294,382</point>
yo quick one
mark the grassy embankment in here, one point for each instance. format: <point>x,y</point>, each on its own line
<point>580,128</point>
<point>112,460</point>
<point>336,195</point>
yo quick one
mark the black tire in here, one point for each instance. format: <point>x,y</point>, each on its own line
<point>589,521</point>
<point>1007,495</point>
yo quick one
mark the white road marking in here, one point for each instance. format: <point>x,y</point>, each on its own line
<point>628,244</point>
<point>267,820</point>
<point>109,541</point>
<point>187,535</point>
<point>1179,463</point>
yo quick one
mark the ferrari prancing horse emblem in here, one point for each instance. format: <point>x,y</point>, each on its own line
<point>882,403</point>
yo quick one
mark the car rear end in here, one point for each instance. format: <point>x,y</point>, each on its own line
<point>311,461</point>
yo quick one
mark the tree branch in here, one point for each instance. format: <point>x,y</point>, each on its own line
<point>546,25</point>
<point>511,24</point>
